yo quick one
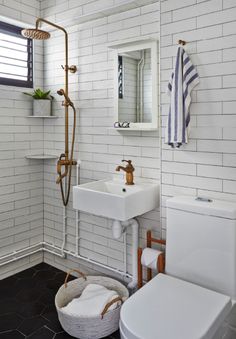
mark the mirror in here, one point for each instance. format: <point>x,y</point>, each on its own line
<point>136,91</point>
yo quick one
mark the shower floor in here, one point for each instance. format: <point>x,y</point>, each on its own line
<point>27,305</point>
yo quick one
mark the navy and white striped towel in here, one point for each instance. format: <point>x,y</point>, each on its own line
<point>183,79</point>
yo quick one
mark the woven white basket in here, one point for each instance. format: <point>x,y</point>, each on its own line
<point>89,327</point>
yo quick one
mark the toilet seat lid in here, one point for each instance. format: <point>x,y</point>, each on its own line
<point>168,308</point>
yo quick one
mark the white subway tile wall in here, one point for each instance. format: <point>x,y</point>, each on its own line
<point>203,167</point>
<point>21,180</point>
<point>206,166</point>
<point>99,148</point>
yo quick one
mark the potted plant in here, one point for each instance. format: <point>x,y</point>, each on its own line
<point>42,104</point>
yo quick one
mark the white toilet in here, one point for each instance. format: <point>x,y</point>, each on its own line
<point>193,298</point>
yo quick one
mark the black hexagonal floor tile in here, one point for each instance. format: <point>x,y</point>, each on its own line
<point>23,309</point>
<point>25,284</point>
<point>29,273</point>
<point>9,321</point>
<point>60,276</point>
<point>63,335</point>
<point>29,309</point>
<point>53,285</point>
<point>7,292</point>
<point>58,281</point>
<point>11,335</point>
<point>47,297</point>
<point>54,269</point>
<point>50,313</point>
<point>43,267</point>
<point>28,295</point>
<point>45,275</point>
<point>42,333</point>
<point>31,325</point>
<point>10,305</point>
<point>55,326</point>
<point>10,281</point>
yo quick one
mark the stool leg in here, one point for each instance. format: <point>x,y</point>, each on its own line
<point>149,244</point>
<point>140,269</point>
<point>161,263</point>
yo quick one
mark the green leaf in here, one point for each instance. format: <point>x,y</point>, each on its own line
<point>40,94</point>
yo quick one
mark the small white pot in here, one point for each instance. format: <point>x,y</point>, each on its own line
<point>42,107</point>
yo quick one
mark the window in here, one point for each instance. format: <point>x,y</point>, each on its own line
<point>16,57</point>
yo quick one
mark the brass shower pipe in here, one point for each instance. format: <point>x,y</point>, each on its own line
<point>65,159</point>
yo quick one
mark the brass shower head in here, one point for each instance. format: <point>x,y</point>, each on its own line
<point>34,33</point>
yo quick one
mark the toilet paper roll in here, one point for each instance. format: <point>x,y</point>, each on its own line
<point>149,258</point>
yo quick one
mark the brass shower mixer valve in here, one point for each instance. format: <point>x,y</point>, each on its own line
<point>63,162</point>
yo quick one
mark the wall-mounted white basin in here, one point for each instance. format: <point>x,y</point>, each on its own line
<point>115,200</point>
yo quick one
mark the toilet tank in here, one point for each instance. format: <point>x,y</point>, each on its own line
<point>201,243</point>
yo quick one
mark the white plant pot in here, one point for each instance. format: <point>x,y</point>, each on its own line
<point>42,107</point>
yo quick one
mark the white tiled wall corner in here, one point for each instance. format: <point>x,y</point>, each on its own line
<point>21,180</point>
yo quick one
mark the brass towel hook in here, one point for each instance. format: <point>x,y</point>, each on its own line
<point>182,42</point>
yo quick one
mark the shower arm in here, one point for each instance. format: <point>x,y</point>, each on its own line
<point>64,159</point>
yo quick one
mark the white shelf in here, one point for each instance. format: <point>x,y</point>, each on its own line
<point>41,156</point>
<point>133,129</point>
<point>42,116</point>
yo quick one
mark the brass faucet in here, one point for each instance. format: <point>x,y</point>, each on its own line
<point>129,170</point>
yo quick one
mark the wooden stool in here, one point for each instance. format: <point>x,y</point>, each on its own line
<point>160,260</point>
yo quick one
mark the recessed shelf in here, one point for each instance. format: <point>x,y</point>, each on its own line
<point>41,156</point>
<point>43,116</point>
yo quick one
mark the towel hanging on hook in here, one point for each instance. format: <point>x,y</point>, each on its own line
<point>183,79</point>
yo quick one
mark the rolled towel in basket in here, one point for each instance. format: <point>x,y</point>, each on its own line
<point>92,301</point>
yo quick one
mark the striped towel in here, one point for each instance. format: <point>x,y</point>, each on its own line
<point>183,79</point>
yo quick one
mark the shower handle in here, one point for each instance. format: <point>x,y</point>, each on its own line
<point>65,163</point>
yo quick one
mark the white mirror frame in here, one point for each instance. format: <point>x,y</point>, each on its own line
<point>149,44</point>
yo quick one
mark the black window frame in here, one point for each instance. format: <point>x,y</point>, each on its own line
<point>16,31</point>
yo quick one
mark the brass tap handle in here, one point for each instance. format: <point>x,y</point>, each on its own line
<point>129,167</point>
<point>128,161</point>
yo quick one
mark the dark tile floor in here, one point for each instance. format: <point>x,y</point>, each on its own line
<point>27,305</point>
